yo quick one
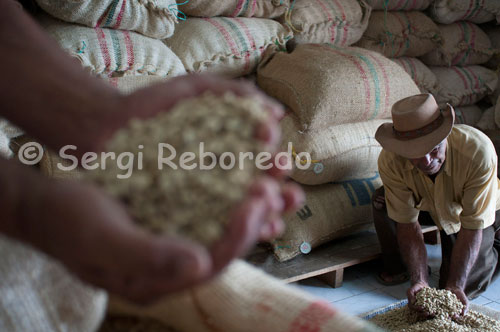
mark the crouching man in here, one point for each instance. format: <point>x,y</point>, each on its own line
<point>435,172</point>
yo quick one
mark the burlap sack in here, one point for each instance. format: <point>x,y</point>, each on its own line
<point>396,34</point>
<point>399,4</point>
<point>462,86</point>
<point>319,220</point>
<point>7,132</point>
<point>464,43</point>
<point>153,18</point>
<point>38,294</point>
<point>476,11</point>
<point>468,115</point>
<point>326,85</point>
<point>338,152</point>
<point>494,36</point>
<point>339,22</point>
<point>423,77</point>
<point>234,8</point>
<point>245,299</point>
<point>109,52</point>
<point>129,84</point>
<point>231,47</point>
<point>487,120</point>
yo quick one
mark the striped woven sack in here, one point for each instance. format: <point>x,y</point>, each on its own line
<point>476,11</point>
<point>339,22</point>
<point>468,115</point>
<point>423,77</point>
<point>487,120</point>
<point>462,86</point>
<point>231,47</point>
<point>338,152</point>
<point>326,85</point>
<point>38,294</point>
<point>129,84</point>
<point>235,8</point>
<point>153,18</point>
<point>399,4</point>
<point>245,299</point>
<point>494,36</point>
<point>464,43</point>
<point>396,34</point>
<point>109,52</point>
<point>320,221</point>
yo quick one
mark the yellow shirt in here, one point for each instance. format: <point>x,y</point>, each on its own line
<point>464,193</point>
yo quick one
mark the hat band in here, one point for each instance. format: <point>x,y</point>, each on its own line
<point>425,130</point>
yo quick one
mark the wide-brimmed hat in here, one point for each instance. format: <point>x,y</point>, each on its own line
<point>418,126</point>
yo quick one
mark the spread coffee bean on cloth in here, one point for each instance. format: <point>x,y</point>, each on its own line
<point>193,203</point>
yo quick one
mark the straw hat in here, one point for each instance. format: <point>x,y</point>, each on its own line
<point>418,126</point>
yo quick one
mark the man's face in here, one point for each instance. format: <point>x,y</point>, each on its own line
<point>431,163</point>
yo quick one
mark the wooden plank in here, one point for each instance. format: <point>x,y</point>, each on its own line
<point>334,278</point>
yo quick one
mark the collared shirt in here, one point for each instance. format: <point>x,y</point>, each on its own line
<point>464,193</point>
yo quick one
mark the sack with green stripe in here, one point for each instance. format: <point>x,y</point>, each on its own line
<point>331,211</point>
<point>423,77</point>
<point>462,86</point>
<point>476,11</point>
<point>399,4</point>
<point>153,18</point>
<point>235,8</point>
<point>396,34</point>
<point>469,115</point>
<point>464,43</point>
<point>325,85</point>
<point>338,152</point>
<point>231,47</point>
<point>338,22</point>
<point>109,52</point>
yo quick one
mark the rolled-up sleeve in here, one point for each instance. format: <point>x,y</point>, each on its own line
<point>399,198</point>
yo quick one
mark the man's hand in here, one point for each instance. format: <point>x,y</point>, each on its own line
<point>412,298</point>
<point>462,298</point>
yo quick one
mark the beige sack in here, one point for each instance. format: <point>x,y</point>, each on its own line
<point>153,18</point>
<point>38,294</point>
<point>129,84</point>
<point>338,152</point>
<point>326,85</point>
<point>423,77</point>
<point>231,47</point>
<point>245,299</point>
<point>476,11</point>
<point>233,8</point>
<point>464,43</point>
<point>462,86</point>
<point>487,121</point>
<point>330,212</point>
<point>494,36</point>
<point>396,34</point>
<point>469,115</point>
<point>339,22</point>
<point>399,4</point>
<point>109,52</point>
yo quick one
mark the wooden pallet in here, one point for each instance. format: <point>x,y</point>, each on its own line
<point>328,261</point>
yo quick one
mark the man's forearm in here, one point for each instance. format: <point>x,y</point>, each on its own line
<point>45,91</point>
<point>463,257</point>
<point>413,252</point>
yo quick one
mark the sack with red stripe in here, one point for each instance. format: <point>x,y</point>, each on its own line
<point>235,8</point>
<point>153,18</point>
<point>109,52</point>
<point>320,221</point>
<point>423,77</point>
<point>231,47</point>
<point>476,11</point>
<point>245,299</point>
<point>396,34</point>
<point>340,152</point>
<point>464,43</point>
<point>469,115</point>
<point>325,85</point>
<point>462,86</point>
<point>399,4</point>
<point>338,22</point>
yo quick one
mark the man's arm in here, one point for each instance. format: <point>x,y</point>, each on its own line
<point>463,257</point>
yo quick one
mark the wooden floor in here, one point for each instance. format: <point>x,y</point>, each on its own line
<point>328,261</point>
